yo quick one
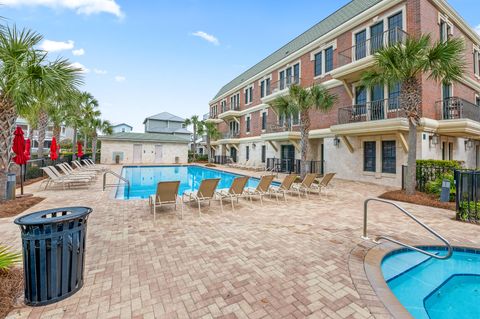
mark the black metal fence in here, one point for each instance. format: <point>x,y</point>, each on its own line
<point>467,196</point>
<point>294,166</point>
<point>33,167</point>
<point>425,174</point>
<point>221,159</point>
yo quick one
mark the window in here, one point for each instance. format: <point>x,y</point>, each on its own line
<point>235,102</point>
<point>369,156</point>
<point>233,127</point>
<point>376,37</point>
<point>286,77</point>
<point>328,59</point>
<point>265,87</point>
<point>223,106</point>
<point>446,91</point>
<point>318,64</point>
<point>247,129</point>
<point>247,152</point>
<point>389,158</point>
<point>264,153</point>
<point>477,99</point>
<point>476,61</point>
<point>264,120</point>
<point>123,129</point>
<point>394,96</point>
<point>395,26</point>
<point>249,94</point>
<point>360,100</point>
<point>445,30</point>
<point>360,45</point>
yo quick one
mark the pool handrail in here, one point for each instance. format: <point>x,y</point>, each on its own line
<point>126,181</point>
<point>430,230</point>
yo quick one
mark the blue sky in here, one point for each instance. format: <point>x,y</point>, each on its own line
<point>145,57</point>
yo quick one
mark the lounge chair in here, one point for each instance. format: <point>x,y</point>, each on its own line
<point>68,171</point>
<point>205,192</point>
<point>63,180</point>
<point>90,164</point>
<point>285,187</point>
<point>167,193</point>
<point>306,184</point>
<point>262,188</point>
<point>236,190</point>
<point>79,166</point>
<point>323,184</point>
<point>71,176</point>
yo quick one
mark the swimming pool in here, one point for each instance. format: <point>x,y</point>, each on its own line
<point>435,289</point>
<point>144,179</point>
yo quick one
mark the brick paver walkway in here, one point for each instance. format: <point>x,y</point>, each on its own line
<point>276,261</point>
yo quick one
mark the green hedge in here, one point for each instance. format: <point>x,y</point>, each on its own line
<point>439,163</point>
<point>429,171</point>
<point>466,208</point>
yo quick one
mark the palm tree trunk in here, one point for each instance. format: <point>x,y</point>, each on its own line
<point>94,148</point>
<point>42,128</point>
<point>74,143</point>
<point>412,159</point>
<point>85,143</point>
<point>209,149</point>
<point>56,132</point>
<point>304,131</point>
<point>194,141</point>
<point>8,116</point>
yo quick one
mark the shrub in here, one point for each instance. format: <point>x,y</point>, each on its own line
<point>435,186</point>
<point>33,172</point>
<point>467,210</point>
<point>8,258</point>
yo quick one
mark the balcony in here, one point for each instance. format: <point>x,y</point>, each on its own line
<point>280,87</point>
<point>457,108</point>
<point>230,135</point>
<point>230,112</point>
<point>354,60</point>
<point>371,111</point>
<point>278,128</point>
<point>211,118</point>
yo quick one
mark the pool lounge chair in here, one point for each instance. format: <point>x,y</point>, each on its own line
<point>79,166</point>
<point>90,164</point>
<point>167,194</point>
<point>236,190</point>
<point>71,176</point>
<point>205,193</point>
<point>323,184</point>
<point>63,180</point>
<point>306,185</point>
<point>68,171</point>
<point>262,188</point>
<point>285,187</point>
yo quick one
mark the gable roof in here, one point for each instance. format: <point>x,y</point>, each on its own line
<point>339,17</point>
<point>146,137</point>
<point>165,116</point>
<point>168,130</point>
<point>122,124</point>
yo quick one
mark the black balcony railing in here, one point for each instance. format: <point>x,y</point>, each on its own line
<point>368,47</point>
<point>230,135</point>
<point>277,128</point>
<point>284,84</point>
<point>294,166</point>
<point>371,111</point>
<point>457,108</point>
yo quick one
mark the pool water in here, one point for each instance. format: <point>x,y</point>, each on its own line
<point>435,289</point>
<point>144,179</point>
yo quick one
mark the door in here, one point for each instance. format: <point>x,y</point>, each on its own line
<point>287,157</point>
<point>360,45</point>
<point>158,153</point>
<point>137,153</point>
<point>377,101</point>
<point>395,26</point>
<point>233,154</point>
<point>376,37</point>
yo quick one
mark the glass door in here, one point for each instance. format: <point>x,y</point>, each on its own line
<point>376,104</point>
<point>360,45</point>
<point>376,37</point>
<point>287,157</point>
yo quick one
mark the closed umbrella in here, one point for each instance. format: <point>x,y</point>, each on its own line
<point>19,149</point>
<point>79,150</point>
<point>27,149</point>
<point>53,149</point>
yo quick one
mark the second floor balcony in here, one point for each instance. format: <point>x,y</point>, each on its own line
<point>230,135</point>
<point>280,87</point>
<point>278,128</point>
<point>457,108</point>
<point>371,111</point>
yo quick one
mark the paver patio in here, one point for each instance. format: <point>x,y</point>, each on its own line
<point>277,261</point>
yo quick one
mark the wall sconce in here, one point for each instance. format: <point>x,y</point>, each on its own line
<point>469,144</point>
<point>254,145</point>
<point>434,139</point>
<point>336,141</point>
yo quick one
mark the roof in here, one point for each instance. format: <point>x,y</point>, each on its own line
<point>331,22</point>
<point>168,130</point>
<point>145,137</point>
<point>165,116</point>
<point>119,124</point>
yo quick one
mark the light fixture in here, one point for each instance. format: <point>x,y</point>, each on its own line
<point>434,139</point>
<point>336,141</point>
<point>469,144</point>
<point>254,145</point>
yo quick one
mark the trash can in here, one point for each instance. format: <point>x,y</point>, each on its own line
<point>53,244</point>
<point>11,184</point>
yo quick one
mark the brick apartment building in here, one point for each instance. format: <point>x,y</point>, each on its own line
<point>364,136</point>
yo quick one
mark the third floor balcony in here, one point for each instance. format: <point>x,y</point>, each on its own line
<point>371,111</point>
<point>280,87</point>
<point>455,108</point>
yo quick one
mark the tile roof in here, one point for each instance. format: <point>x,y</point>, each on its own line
<point>146,137</point>
<point>331,22</point>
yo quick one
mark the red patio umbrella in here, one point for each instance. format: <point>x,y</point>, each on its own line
<point>79,150</point>
<point>27,149</point>
<point>53,149</point>
<point>19,149</point>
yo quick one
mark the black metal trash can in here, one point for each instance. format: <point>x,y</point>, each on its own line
<point>53,253</point>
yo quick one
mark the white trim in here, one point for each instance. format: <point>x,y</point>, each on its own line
<point>249,96</point>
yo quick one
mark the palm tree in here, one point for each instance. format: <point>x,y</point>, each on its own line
<point>405,63</point>
<point>211,133</point>
<point>197,130</point>
<point>76,112</point>
<point>96,125</point>
<point>90,114</point>
<point>22,74</point>
<point>301,101</point>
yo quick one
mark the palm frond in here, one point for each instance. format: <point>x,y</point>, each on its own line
<point>8,258</point>
<point>446,61</point>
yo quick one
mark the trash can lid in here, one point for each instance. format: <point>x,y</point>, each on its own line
<point>47,216</point>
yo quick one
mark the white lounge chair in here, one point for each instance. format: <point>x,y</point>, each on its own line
<point>64,181</point>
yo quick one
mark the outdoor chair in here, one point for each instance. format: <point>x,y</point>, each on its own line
<point>205,192</point>
<point>262,188</point>
<point>236,191</point>
<point>70,172</point>
<point>71,176</point>
<point>64,181</point>
<point>80,170</point>
<point>167,194</point>
<point>285,187</point>
<point>323,183</point>
<point>306,184</point>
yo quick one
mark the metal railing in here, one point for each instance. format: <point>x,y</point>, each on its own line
<point>126,181</point>
<point>230,135</point>
<point>276,128</point>
<point>368,47</point>
<point>371,111</point>
<point>294,166</point>
<point>430,230</point>
<point>284,84</point>
<point>467,196</point>
<point>221,159</point>
<point>457,108</point>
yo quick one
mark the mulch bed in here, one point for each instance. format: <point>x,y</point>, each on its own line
<point>419,198</point>
<point>14,207</point>
<point>11,286</point>
<point>30,181</point>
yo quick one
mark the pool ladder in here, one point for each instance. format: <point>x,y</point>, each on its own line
<point>126,181</point>
<point>434,233</point>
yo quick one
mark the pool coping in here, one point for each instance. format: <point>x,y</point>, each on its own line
<point>373,271</point>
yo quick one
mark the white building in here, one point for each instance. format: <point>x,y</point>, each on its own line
<point>121,127</point>
<point>65,133</point>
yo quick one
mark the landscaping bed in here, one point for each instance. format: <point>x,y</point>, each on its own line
<point>19,205</point>
<point>419,198</point>
<point>11,287</point>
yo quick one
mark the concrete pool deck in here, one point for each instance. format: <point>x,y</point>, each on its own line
<point>295,260</point>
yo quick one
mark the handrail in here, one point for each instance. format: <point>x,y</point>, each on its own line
<point>119,177</point>
<point>365,209</point>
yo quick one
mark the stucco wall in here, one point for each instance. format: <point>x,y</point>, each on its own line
<point>169,152</point>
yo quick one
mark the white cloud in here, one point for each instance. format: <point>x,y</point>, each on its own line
<point>207,37</point>
<point>477,28</point>
<point>80,6</point>
<point>55,46</point>
<point>80,66</point>
<point>99,72</point>
<point>78,52</point>
<point>120,78</point>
